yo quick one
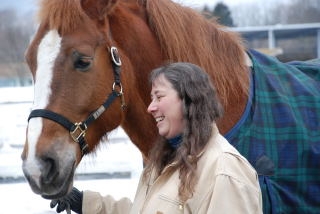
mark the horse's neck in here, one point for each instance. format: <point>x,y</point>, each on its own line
<point>235,108</point>
<point>142,54</point>
<point>139,125</point>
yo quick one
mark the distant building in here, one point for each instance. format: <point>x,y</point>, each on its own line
<point>287,42</point>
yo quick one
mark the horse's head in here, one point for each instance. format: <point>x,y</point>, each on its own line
<point>80,90</point>
<point>75,70</point>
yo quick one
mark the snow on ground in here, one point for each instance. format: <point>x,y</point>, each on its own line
<point>19,199</point>
<point>120,159</point>
<point>117,157</point>
<point>15,106</point>
<point>116,160</point>
<point>113,169</point>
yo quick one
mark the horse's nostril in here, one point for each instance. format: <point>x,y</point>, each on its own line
<point>49,171</point>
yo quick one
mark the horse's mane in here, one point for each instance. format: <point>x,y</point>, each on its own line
<point>63,15</point>
<point>186,35</point>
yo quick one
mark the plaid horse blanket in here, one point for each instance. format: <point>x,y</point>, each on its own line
<point>279,133</point>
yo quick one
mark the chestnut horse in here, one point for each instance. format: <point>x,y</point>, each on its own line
<point>90,61</point>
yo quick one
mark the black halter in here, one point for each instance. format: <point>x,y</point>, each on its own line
<point>78,130</point>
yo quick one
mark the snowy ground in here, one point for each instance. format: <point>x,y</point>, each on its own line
<point>114,169</point>
<point>19,199</point>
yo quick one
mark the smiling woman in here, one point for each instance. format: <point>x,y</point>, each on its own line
<point>169,121</point>
<point>190,163</point>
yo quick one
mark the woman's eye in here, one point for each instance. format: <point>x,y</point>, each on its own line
<point>81,62</point>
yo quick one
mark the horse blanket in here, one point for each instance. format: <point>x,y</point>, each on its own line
<point>279,133</point>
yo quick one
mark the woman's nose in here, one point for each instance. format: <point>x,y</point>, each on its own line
<point>151,108</point>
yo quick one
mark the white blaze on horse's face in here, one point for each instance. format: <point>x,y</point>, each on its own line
<point>47,53</point>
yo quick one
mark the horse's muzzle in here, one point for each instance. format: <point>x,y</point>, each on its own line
<point>51,173</point>
<point>50,183</point>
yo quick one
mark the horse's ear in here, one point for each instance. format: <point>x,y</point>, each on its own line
<point>98,9</point>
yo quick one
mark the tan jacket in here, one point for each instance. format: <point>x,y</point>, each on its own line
<point>227,184</point>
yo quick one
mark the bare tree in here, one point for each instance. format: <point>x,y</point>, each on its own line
<point>306,11</point>
<point>15,33</point>
<point>274,12</point>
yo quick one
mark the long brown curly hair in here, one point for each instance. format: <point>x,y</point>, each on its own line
<point>201,108</point>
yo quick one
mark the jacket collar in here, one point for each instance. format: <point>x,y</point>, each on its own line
<point>214,134</point>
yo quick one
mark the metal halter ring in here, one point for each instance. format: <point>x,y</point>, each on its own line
<point>115,56</point>
<point>114,87</point>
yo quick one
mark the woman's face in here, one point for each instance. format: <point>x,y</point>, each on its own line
<point>166,108</point>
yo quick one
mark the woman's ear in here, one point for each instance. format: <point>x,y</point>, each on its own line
<point>98,9</point>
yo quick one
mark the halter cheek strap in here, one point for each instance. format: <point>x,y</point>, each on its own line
<point>78,130</point>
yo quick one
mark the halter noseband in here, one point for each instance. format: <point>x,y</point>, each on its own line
<point>78,130</point>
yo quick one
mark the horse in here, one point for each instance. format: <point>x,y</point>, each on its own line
<point>90,61</point>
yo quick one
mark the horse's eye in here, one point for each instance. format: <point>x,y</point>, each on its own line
<point>81,62</point>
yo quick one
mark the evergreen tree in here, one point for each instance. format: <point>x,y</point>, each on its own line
<point>223,14</point>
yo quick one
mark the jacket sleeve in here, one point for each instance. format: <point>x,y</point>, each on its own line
<point>230,195</point>
<point>94,203</point>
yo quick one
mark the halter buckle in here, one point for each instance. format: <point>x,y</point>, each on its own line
<point>78,132</point>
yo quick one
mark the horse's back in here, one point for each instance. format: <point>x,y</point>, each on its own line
<point>280,133</point>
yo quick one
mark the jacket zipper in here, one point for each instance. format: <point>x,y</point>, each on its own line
<point>175,202</point>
